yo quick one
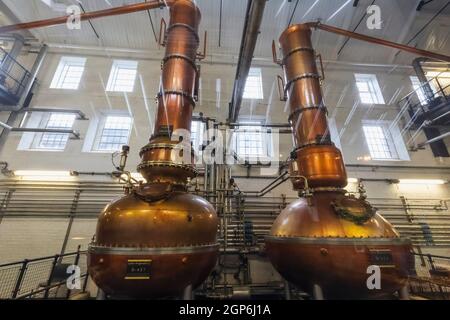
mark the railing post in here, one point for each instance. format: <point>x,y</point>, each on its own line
<point>50,277</point>
<point>20,278</point>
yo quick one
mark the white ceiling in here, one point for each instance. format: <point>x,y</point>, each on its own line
<point>133,31</point>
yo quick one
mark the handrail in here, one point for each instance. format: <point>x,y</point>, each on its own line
<point>41,258</point>
<point>421,86</point>
<point>44,289</point>
<point>430,256</point>
<point>7,55</point>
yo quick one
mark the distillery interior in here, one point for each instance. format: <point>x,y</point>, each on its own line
<point>225,149</point>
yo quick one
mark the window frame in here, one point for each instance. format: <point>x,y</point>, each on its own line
<point>254,91</point>
<point>266,141</point>
<point>394,139</point>
<point>114,74</point>
<point>373,88</point>
<point>100,130</point>
<point>60,75</point>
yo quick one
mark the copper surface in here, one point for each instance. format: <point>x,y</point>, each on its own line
<point>170,273</point>
<point>181,219</point>
<point>340,270</point>
<point>160,216</point>
<point>327,238</point>
<point>322,165</point>
<point>299,219</point>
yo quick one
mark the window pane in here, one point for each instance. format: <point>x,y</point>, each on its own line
<point>377,141</point>
<point>57,141</point>
<point>68,74</point>
<point>253,85</point>
<point>122,76</point>
<point>369,89</point>
<point>115,133</point>
<point>250,141</point>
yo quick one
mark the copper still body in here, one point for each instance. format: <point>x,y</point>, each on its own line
<point>327,239</point>
<point>158,240</point>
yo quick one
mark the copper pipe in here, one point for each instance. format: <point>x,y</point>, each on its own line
<point>176,98</point>
<point>89,15</point>
<point>379,41</point>
<point>317,158</point>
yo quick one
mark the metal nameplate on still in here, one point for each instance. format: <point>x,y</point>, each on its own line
<point>382,258</point>
<point>138,269</point>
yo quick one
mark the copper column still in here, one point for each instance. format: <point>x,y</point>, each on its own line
<point>327,238</point>
<point>159,239</point>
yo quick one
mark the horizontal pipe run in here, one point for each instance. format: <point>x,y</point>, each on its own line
<point>438,138</point>
<point>81,114</point>
<point>143,6</point>
<point>74,133</point>
<point>379,41</point>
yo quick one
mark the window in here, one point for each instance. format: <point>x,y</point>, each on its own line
<point>122,76</point>
<point>47,141</point>
<point>68,74</point>
<point>197,130</point>
<point>379,142</point>
<point>369,89</point>
<point>114,133</point>
<point>253,86</point>
<point>252,141</point>
<point>57,141</point>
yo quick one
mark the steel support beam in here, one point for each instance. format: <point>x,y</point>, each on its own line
<point>255,11</point>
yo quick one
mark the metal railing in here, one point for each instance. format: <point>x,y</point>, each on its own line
<point>44,277</point>
<point>432,279</point>
<point>13,76</point>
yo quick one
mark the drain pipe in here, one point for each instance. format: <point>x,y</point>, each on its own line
<point>254,15</point>
<point>424,83</point>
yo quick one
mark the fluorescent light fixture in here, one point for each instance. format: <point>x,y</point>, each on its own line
<point>423,181</point>
<point>35,173</point>
<point>43,175</point>
<point>352,180</point>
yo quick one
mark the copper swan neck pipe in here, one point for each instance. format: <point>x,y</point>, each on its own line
<point>89,15</point>
<point>386,43</point>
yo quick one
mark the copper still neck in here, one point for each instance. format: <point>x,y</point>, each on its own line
<point>315,158</point>
<point>164,158</point>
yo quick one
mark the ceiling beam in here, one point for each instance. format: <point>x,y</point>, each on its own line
<point>253,19</point>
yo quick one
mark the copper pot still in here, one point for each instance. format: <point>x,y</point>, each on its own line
<point>159,240</point>
<point>328,239</point>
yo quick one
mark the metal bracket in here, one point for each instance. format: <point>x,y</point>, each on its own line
<point>281,92</point>
<point>162,33</point>
<point>202,55</point>
<point>319,56</point>
<point>274,54</point>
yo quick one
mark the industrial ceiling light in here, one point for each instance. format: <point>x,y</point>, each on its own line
<point>423,181</point>
<point>43,175</point>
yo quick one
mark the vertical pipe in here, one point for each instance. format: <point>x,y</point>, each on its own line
<point>316,156</point>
